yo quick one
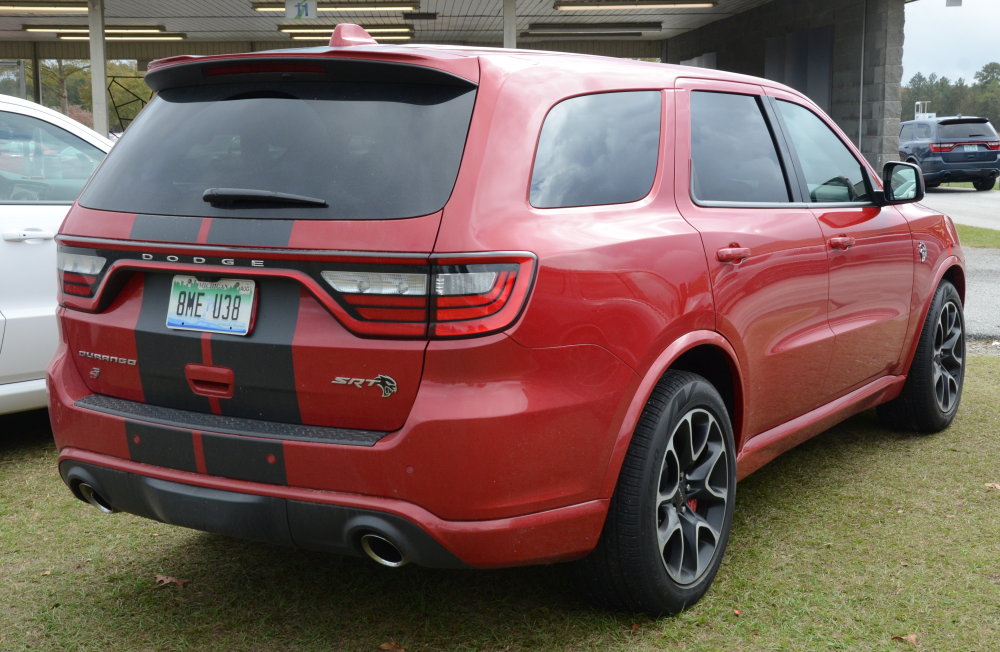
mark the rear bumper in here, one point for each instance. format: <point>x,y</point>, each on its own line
<point>940,172</point>
<point>329,521</point>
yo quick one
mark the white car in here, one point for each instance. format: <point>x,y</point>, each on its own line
<point>45,159</point>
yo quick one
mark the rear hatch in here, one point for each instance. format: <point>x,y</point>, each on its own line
<point>967,140</point>
<point>258,244</point>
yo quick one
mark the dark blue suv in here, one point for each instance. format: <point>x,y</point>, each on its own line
<point>956,148</point>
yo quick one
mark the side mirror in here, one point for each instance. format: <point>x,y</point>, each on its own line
<point>902,183</point>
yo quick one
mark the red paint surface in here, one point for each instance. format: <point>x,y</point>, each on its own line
<point>506,448</point>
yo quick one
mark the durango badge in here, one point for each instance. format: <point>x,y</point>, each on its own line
<point>385,383</point>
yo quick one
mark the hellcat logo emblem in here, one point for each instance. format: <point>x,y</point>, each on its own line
<point>386,383</point>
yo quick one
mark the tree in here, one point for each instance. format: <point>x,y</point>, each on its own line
<point>955,98</point>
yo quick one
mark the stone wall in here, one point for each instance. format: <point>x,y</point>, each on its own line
<point>867,59</point>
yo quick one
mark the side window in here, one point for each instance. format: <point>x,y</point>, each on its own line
<point>906,133</point>
<point>831,172</point>
<point>733,156</point>
<point>40,162</point>
<point>924,131</point>
<point>597,149</point>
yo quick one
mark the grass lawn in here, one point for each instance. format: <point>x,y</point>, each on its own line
<point>855,537</point>
<point>960,184</point>
<point>974,236</point>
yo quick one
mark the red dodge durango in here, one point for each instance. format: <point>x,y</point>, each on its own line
<point>473,307</point>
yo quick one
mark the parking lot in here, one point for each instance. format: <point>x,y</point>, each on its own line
<point>979,209</point>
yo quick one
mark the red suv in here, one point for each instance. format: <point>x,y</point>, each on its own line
<point>485,308</point>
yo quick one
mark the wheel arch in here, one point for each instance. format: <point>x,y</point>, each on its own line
<point>705,353</point>
<point>956,276</point>
<point>951,271</point>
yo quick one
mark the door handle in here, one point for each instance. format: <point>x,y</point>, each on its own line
<point>209,380</point>
<point>27,234</point>
<point>842,242</point>
<point>733,255</point>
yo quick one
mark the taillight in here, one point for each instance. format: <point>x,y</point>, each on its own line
<point>942,147</point>
<point>451,297</point>
<point>79,272</point>
<point>993,145</point>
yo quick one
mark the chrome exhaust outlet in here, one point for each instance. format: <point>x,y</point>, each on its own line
<point>382,551</point>
<point>90,495</point>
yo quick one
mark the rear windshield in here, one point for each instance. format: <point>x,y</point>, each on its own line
<point>366,150</point>
<point>971,129</point>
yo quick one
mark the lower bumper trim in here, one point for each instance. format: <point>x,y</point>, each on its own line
<point>313,526</point>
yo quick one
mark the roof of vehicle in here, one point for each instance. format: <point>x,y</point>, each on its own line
<point>8,102</point>
<point>948,119</point>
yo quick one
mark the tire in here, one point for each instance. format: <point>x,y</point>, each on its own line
<point>984,184</point>
<point>677,485</point>
<point>933,389</point>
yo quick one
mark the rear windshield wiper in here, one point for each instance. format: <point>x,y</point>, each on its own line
<point>229,195</point>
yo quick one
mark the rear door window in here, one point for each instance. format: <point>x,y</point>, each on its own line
<point>597,149</point>
<point>367,150</point>
<point>733,152</point>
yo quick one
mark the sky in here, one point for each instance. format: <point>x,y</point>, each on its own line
<point>952,42</point>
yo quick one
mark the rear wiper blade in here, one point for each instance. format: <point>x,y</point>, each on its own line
<point>229,195</point>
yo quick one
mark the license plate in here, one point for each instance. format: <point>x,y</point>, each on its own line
<point>971,148</point>
<point>223,306</point>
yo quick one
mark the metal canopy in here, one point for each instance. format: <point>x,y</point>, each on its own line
<point>436,21</point>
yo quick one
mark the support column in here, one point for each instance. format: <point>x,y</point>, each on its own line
<point>98,66</point>
<point>36,75</point>
<point>883,74</point>
<point>510,23</point>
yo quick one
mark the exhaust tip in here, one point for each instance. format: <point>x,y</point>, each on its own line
<point>90,495</point>
<point>382,551</point>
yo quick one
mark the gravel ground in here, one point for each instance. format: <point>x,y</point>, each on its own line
<point>982,301</point>
<point>983,347</point>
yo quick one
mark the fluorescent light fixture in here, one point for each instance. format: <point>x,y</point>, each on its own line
<point>12,6</point>
<point>83,29</point>
<point>566,29</point>
<point>326,38</point>
<point>328,29</point>
<point>279,7</point>
<point>165,36</point>
<point>589,35</point>
<point>591,5</point>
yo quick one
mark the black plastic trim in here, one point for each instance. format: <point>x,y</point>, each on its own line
<point>300,524</point>
<point>228,425</point>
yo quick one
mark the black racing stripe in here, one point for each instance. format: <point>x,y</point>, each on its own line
<point>161,446</point>
<point>242,458</point>
<point>251,233</point>
<point>166,228</point>
<point>162,352</point>
<point>264,377</point>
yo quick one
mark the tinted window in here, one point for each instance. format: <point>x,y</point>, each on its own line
<point>906,133</point>
<point>970,129</point>
<point>40,162</point>
<point>597,149</point>
<point>733,156</point>
<point>831,172</point>
<point>370,150</point>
